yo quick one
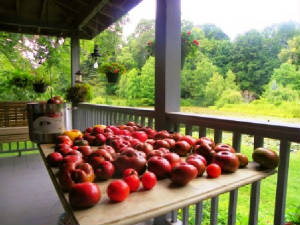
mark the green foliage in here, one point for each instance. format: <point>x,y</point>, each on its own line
<point>194,81</point>
<point>229,96</point>
<point>287,75</point>
<point>211,31</point>
<point>278,94</point>
<point>113,68</point>
<point>129,85</point>
<point>80,92</point>
<point>214,89</point>
<point>146,84</point>
<point>291,54</point>
<point>21,79</point>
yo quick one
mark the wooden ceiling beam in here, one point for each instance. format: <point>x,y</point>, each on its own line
<point>22,23</point>
<point>44,9</point>
<point>92,10</point>
<point>67,6</point>
<point>18,7</point>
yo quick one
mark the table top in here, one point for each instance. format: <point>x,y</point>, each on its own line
<point>163,198</point>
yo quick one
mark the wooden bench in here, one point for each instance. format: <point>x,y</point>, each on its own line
<point>13,122</point>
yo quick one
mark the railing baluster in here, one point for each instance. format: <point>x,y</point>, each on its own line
<point>236,143</point>
<point>202,132</point>
<point>199,205</point>
<point>150,122</point>
<point>198,218</point>
<point>214,211</point>
<point>107,117</point>
<point>143,121</point>
<point>215,200</point>
<point>185,215</point>
<point>255,189</point>
<point>282,179</point>
<point>188,129</point>
<point>115,118</point>
<point>174,216</point>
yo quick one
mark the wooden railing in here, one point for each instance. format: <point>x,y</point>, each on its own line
<point>89,114</point>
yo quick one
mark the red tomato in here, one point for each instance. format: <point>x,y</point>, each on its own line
<point>133,182</point>
<point>129,172</point>
<point>118,190</point>
<point>213,170</point>
<point>141,135</point>
<point>149,180</point>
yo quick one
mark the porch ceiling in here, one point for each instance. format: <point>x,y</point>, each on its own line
<point>83,18</point>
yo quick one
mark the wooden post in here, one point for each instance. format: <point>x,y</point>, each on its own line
<point>75,66</point>
<point>75,57</point>
<point>167,60</point>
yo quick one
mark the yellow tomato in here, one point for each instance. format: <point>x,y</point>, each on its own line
<point>73,134</point>
<point>100,125</point>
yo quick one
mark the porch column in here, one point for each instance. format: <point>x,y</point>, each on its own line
<point>75,66</point>
<point>75,57</point>
<point>167,59</point>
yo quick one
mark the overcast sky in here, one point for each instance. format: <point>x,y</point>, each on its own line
<point>232,16</point>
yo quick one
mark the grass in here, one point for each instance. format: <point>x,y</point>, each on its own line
<point>284,112</point>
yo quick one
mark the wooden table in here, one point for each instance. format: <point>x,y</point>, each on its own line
<point>143,205</point>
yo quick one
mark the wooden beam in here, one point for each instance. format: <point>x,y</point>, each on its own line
<point>67,6</point>
<point>92,10</point>
<point>32,24</point>
<point>44,8</point>
<point>75,57</point>
<point>167,61</point>
<point>18,7</point>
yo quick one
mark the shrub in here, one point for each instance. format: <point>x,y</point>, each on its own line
<point>229,97</point>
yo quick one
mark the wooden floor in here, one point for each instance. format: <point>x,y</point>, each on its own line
<point>27,195</point>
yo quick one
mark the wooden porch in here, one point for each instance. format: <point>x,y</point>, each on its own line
<point>26,188</point>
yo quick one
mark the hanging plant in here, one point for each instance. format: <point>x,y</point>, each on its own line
<point>40,82</point>
<point>20,79</point>
<point>112,71</point>
<point>189,45</point>
<point>80,92</point>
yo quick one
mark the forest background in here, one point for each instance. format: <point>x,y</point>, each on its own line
<point>257,73</point>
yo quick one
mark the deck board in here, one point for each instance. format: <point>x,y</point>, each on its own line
<point>27,195</point>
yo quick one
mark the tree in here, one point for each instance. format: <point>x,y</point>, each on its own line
<point>229,81</point>
<point>211,31</point>
<point>137,42</point>
<point>193,81</point>
<point>287,76</point>
<point>291,54</point>
<point>214,89</point>
<point>249,62</point>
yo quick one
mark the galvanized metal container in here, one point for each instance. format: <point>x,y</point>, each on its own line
<point>46,121</point>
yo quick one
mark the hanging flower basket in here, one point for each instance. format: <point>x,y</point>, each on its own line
<point>20,79</point>
<point>112,77</point>
<point>112,71</point>
<point>40,87</point>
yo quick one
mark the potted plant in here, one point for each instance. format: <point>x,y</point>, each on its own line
<point>112,71</point>
<point>40,83</point>
<point>20,79</point>
<point>189,45</point>
<point>80,92</point>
